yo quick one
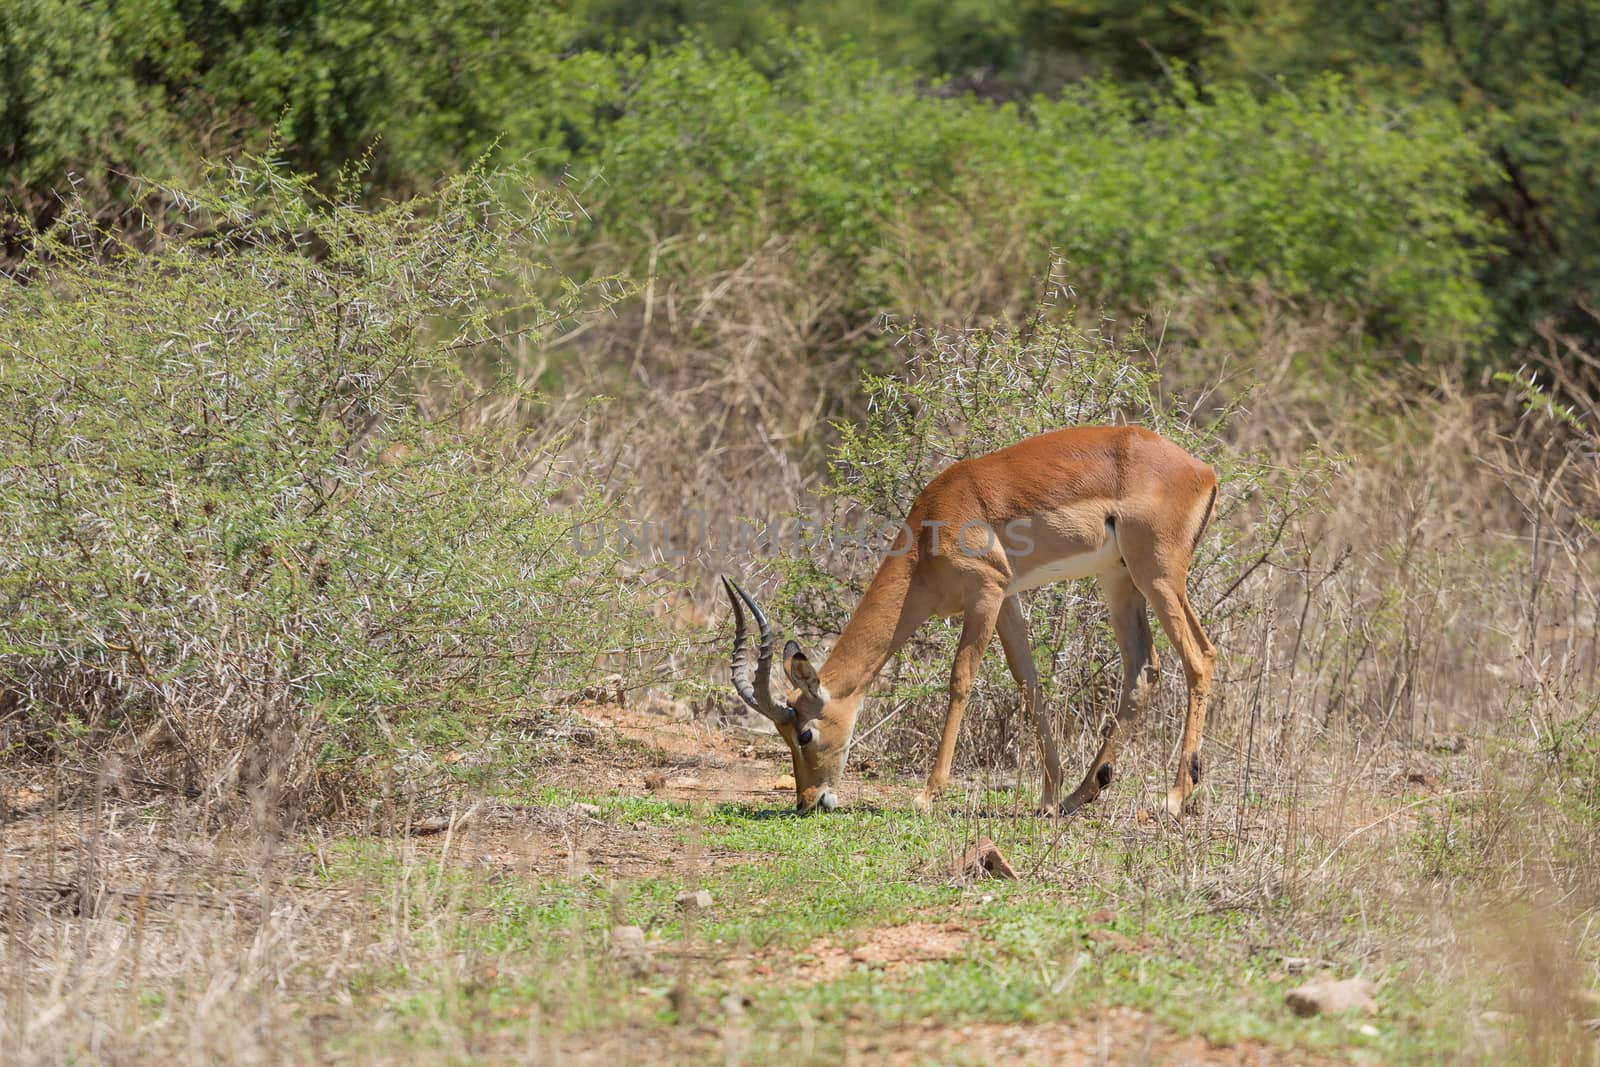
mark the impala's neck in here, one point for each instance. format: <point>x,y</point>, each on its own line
<point>884,620</point>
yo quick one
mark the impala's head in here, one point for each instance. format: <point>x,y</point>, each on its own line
<point>816,740</point>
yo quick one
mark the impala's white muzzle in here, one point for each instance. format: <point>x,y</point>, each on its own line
<point>826,802</point>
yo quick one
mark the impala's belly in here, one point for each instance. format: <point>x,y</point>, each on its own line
<point>1044,566</point>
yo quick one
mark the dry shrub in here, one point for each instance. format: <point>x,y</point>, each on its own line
<point>254,547</point>
<point>721,385</point>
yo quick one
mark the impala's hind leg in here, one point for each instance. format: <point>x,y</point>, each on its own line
<point>1013,630</point>
<point>1171,604</point>
<point>1139,670</point>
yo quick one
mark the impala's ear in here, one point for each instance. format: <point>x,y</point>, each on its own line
<point>799,669</point>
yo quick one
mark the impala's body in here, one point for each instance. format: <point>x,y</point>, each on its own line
<point>1119,503</point>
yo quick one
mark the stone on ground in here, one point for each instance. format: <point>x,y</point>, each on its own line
<point>984,860</point>
<point>695,900</point>
<point>1329,996</point>
<point>627,950</point>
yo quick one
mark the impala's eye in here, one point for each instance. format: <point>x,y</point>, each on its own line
<point>805,736</point>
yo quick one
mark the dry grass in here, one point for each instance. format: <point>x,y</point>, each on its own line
<point>1403,746</point>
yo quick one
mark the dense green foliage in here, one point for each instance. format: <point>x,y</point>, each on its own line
<point>930,36</point>
<point>108,89</point>
<point>253,505</point>
<point>1439,193</point>
<point>1317,196</point>
<point>1523,76</point>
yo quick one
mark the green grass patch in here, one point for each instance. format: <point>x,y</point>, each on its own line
<point>1191,959</point>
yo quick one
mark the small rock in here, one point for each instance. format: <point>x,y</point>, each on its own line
<point>612,689</point>
<point>984,860</point>
<point>785,781</point>
<point>1368,1030</point>
<point>591,810</point>
<point>1497,1018</point>
<point>1296,964</point>
<point>683,782</point>
<point>696,900</point>
<point>1328,996</point>
<point>655,781</point>
<point>627,950</point>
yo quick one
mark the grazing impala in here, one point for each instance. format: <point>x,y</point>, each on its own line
<point>1120,503</point>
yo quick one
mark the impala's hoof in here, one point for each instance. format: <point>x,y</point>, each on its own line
<point>922,803</point>
<point>1076,801</point>
<point>1175,803</point>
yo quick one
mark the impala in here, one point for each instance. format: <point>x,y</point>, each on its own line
<point>1120,503</point>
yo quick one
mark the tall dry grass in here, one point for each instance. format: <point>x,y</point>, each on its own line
<point>1407,712</point>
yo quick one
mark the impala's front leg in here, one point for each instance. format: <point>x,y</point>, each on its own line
<point>1013,630</point>
<point>976,629</point>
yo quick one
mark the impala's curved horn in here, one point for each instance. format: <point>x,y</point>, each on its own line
<point>756,692</point>
<point>741,669</point>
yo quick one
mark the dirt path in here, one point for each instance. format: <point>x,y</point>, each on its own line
<point>699,762</point>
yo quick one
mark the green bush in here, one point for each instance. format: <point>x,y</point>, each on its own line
<point>931,37</point>
<point>1319,196</point>
<point>713,152</point>
<point>259,524</point>
<point>1521,75</point>
<point>73,98</point>
<point>101,91</point>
